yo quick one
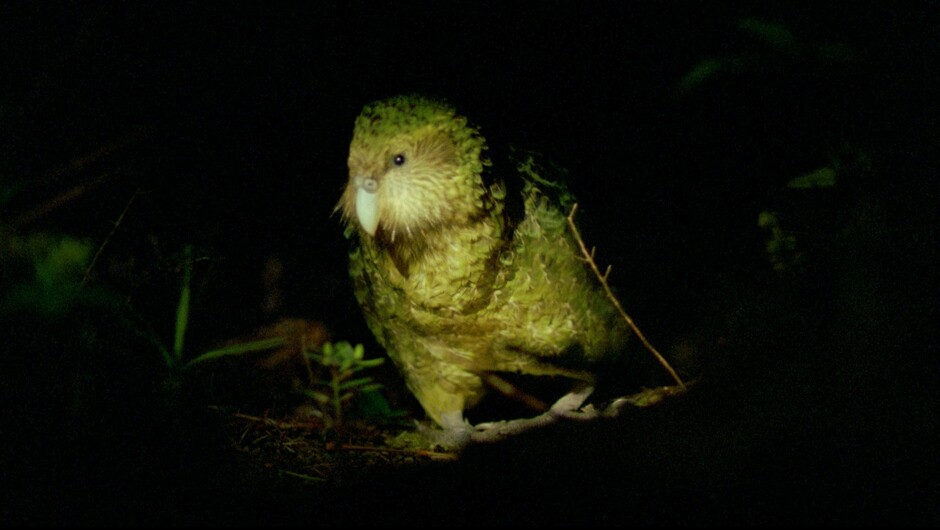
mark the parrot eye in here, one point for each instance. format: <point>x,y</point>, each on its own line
<point>399,160</point>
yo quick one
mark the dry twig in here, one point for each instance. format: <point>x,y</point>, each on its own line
<point>108,238</point>
<point>589,258</point>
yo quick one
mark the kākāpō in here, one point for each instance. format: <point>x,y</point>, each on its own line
<point>453,286</point>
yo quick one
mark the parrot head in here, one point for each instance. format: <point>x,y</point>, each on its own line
<point>413,163</point>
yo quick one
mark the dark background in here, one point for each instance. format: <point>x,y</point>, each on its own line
<point>820,405</point>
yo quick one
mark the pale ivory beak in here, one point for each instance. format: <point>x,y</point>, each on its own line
<point>367,204</point>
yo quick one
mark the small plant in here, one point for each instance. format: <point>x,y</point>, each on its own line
<point>335,392</point>
<point>781,245</point>
<point>331,384</point>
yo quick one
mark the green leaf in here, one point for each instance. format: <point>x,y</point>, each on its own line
<point>776,35</point>
<point>355,382</point>
<point>182,309</point>
<point>319,397</point>
<point>767,219</point>
<point>62,262</point>
<point>707,69</point>
<point>371,363</point>
<point>824,177</point>
<point>238,349</point>
<point>58,266</point>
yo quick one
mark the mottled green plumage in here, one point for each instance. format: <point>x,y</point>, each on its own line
<point>448,284</point>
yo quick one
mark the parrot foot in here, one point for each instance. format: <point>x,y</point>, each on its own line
<point>455,433</point>
<point>566,408</point>
<point>569,406</point>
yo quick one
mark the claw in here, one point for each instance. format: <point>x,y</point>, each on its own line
<point>569,406</point>
<point>455,433</point>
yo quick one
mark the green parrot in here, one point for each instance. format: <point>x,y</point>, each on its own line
<point>453,286</point>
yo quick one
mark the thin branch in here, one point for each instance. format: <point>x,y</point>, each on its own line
<point>433,455</point>
<point>297,425</point>
<point>66,197</point>
<point>108,238</point>
<point>511,391</point>
<point>302,476</point>
<point>589,258</point>
<point>81,162</point>
<point>75,165</point>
